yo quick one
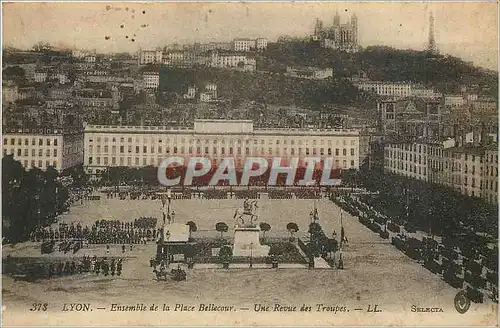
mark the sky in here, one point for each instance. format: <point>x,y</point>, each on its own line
<point>466,30</point>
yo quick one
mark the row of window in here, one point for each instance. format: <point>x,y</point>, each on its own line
<point>490,171</point>
<point>25,152</point>
<point>492,185</point>
<point>456,167</point>
<point>40,164</point>
<point>106,160</point>
<point>492,198</point>
<point>34,141</point>
<point>223,141</point>
<point>410,168</point>
<point>408,147</point>
<point>222,150</point>
<point>413,158</point>
<point>490,158</point>
<point>93,103</point>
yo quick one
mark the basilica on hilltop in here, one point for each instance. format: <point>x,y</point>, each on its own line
<point>343,37</point>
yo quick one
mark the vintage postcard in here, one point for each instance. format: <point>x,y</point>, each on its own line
<point>249,164</point>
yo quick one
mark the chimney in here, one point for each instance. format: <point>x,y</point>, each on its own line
<point>484,135</point>
<point>458,139</point>
<point>476,137</point>
<point>456,134</point>
<point>463,138</point>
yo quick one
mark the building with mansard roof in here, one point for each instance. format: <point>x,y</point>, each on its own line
<point>138,146</point>
<point>60,148</point>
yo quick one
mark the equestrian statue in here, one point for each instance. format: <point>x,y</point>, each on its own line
<point>249,210</point>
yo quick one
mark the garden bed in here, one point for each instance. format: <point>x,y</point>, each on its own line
<point>289,252</point>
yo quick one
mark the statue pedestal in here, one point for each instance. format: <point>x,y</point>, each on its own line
<point>247,243</point>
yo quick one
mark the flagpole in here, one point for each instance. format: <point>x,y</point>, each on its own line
<point>341,229</point>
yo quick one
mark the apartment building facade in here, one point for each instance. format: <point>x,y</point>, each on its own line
<point>470,170</point>
<point>138,146</point>
<point>41,148</point>
<point>395,89</point>
<point>151,80</point>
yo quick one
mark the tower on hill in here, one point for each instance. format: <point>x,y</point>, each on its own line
<point>431,47</point>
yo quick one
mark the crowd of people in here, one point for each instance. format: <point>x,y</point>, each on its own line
<point>458,258</point>
<point>86,264</point>
<point>209,193</point>
<point>101,232</point>
<point>306,193</point>
<point>278,194</point>
<point>246,194</point>
<point>78,194</point>
<point>144,195</point>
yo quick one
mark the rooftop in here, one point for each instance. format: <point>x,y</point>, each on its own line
<point>385,82</point>
<point>244,39</point>
<point>248,130</point>
<point>41,130</point>
<point>468,149</point>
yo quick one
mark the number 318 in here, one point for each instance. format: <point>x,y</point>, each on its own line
<point>39,307</point>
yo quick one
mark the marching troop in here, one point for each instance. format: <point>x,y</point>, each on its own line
<point>101,232</point>
<point>112,266</point>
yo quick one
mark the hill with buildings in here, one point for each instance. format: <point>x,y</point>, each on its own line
<point>381,63</point>
<point>265,87</point>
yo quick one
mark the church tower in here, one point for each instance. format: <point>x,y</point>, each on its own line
<point>336,19</point>
<point>354,26</point>
<point>318,28</point>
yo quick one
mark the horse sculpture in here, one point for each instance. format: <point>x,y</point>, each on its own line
<point>249,209</point>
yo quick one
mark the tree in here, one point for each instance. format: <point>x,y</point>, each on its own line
<point>221,227</point>
<point>13,214</point>
<point>276,250</point>
<point>331,246</point>
<point>292,228</point>
<point>349,177</point>
<point>312,250</point>
<point>189,252</point>
<point>225,253</point>
<point>78,174</point>
<point>30,199</point>
<point>192,227</point>
<point>13,72</point>
<point>265,227</point>
<point>314,228</point>
<point>42,47</point>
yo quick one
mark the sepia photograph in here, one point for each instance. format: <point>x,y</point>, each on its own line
<point>249,164</point>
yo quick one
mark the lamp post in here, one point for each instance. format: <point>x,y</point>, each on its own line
<point>37,198</point>
<point>163,235</point>
<point>169,198</point>
<point>167,237</point>
<point>166,201</point>
<point>251,254</point>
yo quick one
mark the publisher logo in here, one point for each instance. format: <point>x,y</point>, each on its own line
<point>462,302</point>
<point>307,171</point>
